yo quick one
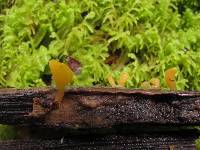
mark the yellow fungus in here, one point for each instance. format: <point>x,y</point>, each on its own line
<point>62,76</point>
<point>145,85</point>
<point>170,78</point>
<point>111,80</point>
<point>123,78</point>
<point>155,83</point>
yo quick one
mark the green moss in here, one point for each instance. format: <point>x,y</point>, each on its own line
<point>7,132</point>
<point>197,142</point>
<point>151,36</point>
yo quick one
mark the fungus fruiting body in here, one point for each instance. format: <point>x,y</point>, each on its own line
<point>62,75</point>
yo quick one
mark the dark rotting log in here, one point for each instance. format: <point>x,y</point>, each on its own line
<point>137,141</point>
<point>98,107</point>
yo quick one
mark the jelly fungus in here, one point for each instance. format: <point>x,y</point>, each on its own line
<point>62,75</point>
<point>170,78</point>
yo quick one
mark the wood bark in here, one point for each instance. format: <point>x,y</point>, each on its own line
<point>116,142</point>
<point>95,110</point>
<point>98,107</point>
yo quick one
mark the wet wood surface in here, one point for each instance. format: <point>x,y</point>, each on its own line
<point>116,142</point>
<point>108,111</point>
<point>98,107</point>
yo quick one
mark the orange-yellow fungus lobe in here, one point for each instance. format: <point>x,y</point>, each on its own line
<point>155,83</point>
<point>111,80</point>
<point>62,76</point>
<point>170,78</point>
<point>145,85</point>
<point>123,78</point>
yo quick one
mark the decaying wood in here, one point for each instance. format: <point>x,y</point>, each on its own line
<point>141,141</point>
<point>98,107</point>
